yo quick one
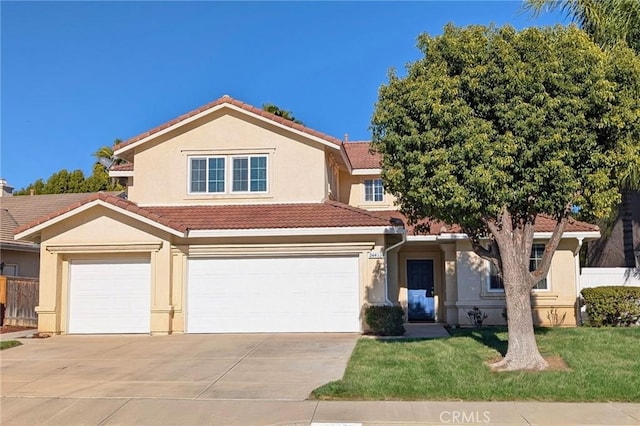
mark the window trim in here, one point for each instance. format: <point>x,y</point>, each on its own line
<point>373,192</point>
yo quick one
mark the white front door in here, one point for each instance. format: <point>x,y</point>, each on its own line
<point>277,294</point>
<point>109,296</point>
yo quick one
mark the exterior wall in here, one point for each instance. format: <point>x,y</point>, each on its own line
<point>296,167</point>
<point>555,306</point>
<point>352,192</point>
<point>100,234</point>
<point>28,262</point>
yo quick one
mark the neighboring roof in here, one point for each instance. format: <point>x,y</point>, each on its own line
<point>7,225</point>
<point>360,157</point>
<point>23,209</point>
<point>435,227</point>
<point>124,167</point>
<point>106,197</point>
<point>230,101</point>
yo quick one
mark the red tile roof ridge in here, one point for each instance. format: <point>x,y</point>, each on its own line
<point>226,99</point>
<point>362,142</point>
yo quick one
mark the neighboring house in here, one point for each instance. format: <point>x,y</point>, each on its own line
<point>237,220</point>
<point>19,257</point>
<point>615,258</point>
<point>620,247</point>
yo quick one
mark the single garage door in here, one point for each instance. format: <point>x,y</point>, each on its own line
<point>284,294</point>
<point>109,296</point>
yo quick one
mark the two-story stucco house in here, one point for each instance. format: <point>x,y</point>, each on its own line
<point>237,220</point>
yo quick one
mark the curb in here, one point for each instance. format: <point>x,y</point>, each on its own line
<point>17,334</point>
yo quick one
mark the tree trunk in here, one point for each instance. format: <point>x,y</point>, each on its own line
<point>522,351</point>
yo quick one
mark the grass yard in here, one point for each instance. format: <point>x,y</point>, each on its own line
<point>603,365</point>
<point>9,344</point>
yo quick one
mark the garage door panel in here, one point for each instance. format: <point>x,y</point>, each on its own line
<point>301,294</point>
<point>109,296</point>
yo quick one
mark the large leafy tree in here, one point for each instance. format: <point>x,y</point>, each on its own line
<point>608,22</point>
<point>493,128</point>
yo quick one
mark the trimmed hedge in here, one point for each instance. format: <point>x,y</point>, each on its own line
<point>616,306</point>
<point>385,320</point>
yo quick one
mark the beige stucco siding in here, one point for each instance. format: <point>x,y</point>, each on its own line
<point>560,298</point>
<point>101,234</point>
<point>296,166</point>
<point>352,192</point>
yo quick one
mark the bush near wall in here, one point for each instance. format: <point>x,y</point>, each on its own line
<point>385,320</point>
<point>616,306</point>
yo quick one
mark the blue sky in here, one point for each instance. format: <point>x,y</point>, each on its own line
<point>77,75</point>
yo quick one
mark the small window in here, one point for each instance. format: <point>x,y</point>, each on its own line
<point>495,282</point>
<point>9,270</point>
<point>373,190</point>
<point>537,251</point>
<point>249,174</point>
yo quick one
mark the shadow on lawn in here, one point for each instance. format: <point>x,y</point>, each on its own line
<point>492,337</point>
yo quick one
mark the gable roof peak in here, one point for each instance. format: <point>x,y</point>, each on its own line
<point>239,105</point>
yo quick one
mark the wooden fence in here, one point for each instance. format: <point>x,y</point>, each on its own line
<point>20,298</point>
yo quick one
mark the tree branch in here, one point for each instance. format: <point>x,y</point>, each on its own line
<point>549,249</point>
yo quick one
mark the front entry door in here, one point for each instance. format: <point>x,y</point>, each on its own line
<point>420,288</point>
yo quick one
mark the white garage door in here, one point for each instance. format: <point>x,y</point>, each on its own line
<point>111,296</point>
<point>301,294</point>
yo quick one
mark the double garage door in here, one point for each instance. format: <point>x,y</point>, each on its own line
<point>239,295</point>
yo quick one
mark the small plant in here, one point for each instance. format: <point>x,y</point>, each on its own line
<point>476,317</point>
<point>555,318</point>
<point>504,315</point>
<point>385,320</point>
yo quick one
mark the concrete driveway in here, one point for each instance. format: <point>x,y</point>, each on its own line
<point>201,367</point>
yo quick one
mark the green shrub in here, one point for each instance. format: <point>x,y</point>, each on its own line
<point>612,305</point>
<point>385,320</point>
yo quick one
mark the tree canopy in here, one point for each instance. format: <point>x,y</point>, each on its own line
<point>606,21</point>
<point>64,182</point>
<point>276,110</point>
<point>494,127</point>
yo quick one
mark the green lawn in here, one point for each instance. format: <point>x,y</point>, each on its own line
<point>9,344</point>
<point>604,365</point>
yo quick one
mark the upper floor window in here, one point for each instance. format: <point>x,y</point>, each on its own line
<point>373,190</point>
<point>495,282</point>
<point>209,175</point>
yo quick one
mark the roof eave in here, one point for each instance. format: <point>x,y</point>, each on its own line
<point>281,232</point>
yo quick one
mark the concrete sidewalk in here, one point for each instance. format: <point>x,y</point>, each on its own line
<point>159,411</point>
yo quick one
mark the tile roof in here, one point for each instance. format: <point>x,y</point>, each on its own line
<point>261,216</point>
<point>229,100</point>
<point>24,209</point>
<point>124,167</point>
<point>435,227</point>
<point>108,198</point>
<point>257,216</point>
<point>360,157</point>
